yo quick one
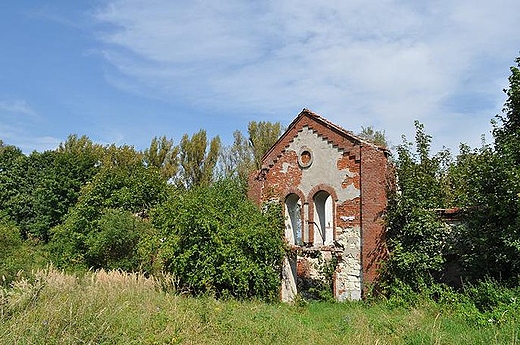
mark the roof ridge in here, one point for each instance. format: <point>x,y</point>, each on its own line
<point>349,135</point>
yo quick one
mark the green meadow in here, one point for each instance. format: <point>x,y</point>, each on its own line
<point>52,307</point>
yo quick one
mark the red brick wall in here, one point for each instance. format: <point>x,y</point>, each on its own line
<point>374,167</point>
<point>278,183</point>
<point>369,161</point>
<point>254,190</point>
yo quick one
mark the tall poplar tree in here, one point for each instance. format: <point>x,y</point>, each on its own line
<point>246,152</point>
<point>262,136</point>
<point>197,159</point>
<point>163,155</point>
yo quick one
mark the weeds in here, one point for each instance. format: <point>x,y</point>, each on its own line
<point>112,307</point>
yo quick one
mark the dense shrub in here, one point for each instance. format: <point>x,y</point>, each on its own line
<point>103,230</point>
<point>417,238</point>
<point>114,244</point>
<point>483,183</point>
<point>214,240</point>
<point>17,257</point>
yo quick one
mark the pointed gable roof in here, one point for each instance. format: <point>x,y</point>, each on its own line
<point>337,136</point>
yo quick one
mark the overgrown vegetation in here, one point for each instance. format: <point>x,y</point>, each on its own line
<point>165,210</point>
<point>176,218</point>
<point>216,241</point>
<point>483,184</point>
<point>112,307</point>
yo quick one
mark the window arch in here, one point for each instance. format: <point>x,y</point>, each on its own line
<point>323,218</point>
<point>293,219</point>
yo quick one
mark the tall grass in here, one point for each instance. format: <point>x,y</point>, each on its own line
<point>120,308</point>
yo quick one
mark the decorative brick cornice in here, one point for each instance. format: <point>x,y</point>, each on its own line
<point>335,135</point>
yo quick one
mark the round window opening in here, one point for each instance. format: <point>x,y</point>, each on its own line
<point>305,158</point>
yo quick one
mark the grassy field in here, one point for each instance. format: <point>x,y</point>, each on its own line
<point>119,308</point>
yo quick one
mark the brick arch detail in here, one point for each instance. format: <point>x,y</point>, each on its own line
<point>299,193</point>
<point>323,187</point>
<point>318,188</point>
<point>296,191</point>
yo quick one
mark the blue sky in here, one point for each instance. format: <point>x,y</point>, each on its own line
<point>124,71</point>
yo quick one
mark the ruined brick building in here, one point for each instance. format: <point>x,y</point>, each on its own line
<point>333,188</point>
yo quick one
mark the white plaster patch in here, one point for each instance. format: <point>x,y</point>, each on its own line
<point>324,167</point>
<point>348,272</point>
<point>285,167</point>
<point>288,279</point>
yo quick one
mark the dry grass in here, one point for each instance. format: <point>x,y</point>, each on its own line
<point>113,307</point>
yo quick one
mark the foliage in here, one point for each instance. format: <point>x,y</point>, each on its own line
<point>246,152</point>
<point>237,160</point>
<point>81,147</point>
<point>321,289</point>
<point>484,183</point>
<point>217,241</point>
<point>16,255</point>
<point>262,136</point>
<point>507,128</point>
<point>41,187</point>
<point>491,194</point>
<point>374,136</point>
<point>12,173</point>
<point>163,155</point>
<point>196,161</point>
<point>123,183</point>
<point>114,244</point>
<point>418,240</point>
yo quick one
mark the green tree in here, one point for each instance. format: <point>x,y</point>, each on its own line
<point>122,183</point>
<point>373,136</point>
<point>507,129</point>
<point>262,136</point>
<point>418,240</point>
<point>197,160</point>
<point>492,246</point>
<point>245,154</point>
<point>121,157</point>
<point>41,187</point>
<point>162,154</point>
<point>12,161</point>
<point>237,160</point>
<point>81,147</point>
<point>216,241</point>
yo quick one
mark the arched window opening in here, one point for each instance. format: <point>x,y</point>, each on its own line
<point>323,218</point>
<point>293,219</point>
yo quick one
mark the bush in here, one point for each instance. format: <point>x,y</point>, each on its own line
<point>114,244</point>
<point>16,255</point>
<point>214,240</point>
<point>100,230</point>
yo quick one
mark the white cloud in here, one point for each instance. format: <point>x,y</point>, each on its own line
<point>16,119</point>
<point>15,107</point>
<point>20,138</point>
<point>382,63</point>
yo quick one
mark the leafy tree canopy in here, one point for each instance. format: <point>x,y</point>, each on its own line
<point>374,136</point>
<point>197,160</point>
<point>215,240</point>
<point>163,155</point>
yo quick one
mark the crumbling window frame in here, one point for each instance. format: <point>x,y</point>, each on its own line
<point>294,218</point>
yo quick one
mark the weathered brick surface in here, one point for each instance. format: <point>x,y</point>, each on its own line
<point>373,204</point>
<point>354,174</point>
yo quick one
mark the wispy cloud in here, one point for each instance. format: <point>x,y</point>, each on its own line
<point>27,143</point>
<point>382,63</point>
<point>16,107</point>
